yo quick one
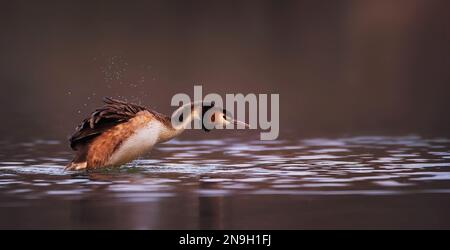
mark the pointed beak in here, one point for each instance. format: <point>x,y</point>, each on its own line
<point>235,122</point>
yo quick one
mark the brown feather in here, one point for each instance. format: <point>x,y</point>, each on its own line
<point>99,135</point>
<point>112,113</point>
<point>103,146</point>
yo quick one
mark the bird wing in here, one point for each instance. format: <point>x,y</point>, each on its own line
<point>102,119</point>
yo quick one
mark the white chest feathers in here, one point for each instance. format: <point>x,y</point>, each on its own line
<point>141,142</point>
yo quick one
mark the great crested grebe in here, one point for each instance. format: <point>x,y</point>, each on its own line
<point>120,132</point>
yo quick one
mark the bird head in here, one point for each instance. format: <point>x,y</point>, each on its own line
<point>218,117</point>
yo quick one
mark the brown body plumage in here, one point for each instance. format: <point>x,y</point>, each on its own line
<point>103,132</point>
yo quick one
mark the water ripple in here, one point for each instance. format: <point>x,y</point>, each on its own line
<point>364,165</point>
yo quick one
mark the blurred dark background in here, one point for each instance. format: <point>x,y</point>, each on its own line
<point>340,67</point>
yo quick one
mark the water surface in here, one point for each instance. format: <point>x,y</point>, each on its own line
<point>241,183</point>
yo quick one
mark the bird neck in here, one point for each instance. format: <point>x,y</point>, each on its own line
<point>171,130</point>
